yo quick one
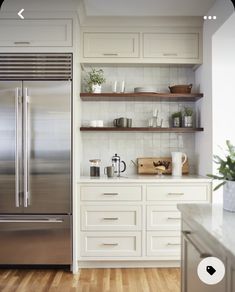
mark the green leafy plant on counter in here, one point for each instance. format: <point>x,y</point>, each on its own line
<point>226,167</point>
<point>176,115</point>
<point>188,111</point>
<point>95,76</point>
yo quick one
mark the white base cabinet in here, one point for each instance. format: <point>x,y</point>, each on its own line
<point>134,221</point>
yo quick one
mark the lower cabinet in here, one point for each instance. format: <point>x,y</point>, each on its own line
<point>135,221</point>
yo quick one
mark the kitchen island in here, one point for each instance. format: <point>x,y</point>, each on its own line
<point>207,230</point>
<point>133,221</point>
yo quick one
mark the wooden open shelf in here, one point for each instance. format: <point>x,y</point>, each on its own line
<point>141,129</point>
<point>168,97</point>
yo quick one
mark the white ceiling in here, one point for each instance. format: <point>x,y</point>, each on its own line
<point>147,7</point>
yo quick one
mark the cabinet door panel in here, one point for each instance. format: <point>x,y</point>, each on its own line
<point>111,45</point>
<point>171,45</point>
<point>36,33</point>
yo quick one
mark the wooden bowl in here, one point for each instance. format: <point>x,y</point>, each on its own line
<point>181,88</point>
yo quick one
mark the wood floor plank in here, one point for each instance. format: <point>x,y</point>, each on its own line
<point>91,280</point>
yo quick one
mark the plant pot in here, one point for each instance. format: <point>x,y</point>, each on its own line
<point>229,196</point>
<point>176,122</point>
<point>188,121</point>
<point>96,88</point>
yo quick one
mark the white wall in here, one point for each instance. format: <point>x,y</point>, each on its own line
<point>204,142</point>
<point>223,64</point>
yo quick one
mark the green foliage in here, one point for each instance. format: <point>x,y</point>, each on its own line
<point>176,115</point>
<point>188,111</point>
<point>95,76</point>
<point>226,167</point>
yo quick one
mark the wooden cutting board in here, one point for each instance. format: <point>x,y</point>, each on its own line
<point>145,165</point>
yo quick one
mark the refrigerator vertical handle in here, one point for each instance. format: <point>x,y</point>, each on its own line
<point>26,147</point>
<point>17,176</point>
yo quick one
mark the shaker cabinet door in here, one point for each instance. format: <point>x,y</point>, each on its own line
<point>36,33</point>
<point>171,45</point>
<point>110,45</point>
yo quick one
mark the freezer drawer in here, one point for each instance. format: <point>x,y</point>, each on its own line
<point>35,240</point>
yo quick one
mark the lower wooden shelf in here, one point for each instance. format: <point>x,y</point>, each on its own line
<point>141,129</point>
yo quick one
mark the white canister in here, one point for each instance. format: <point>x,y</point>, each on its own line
<point>177,162</point>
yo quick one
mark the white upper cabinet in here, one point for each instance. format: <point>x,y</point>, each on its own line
<point>171,45</point>
<point>36,33</point>
<point>147,45</point>
<point>110,45</point>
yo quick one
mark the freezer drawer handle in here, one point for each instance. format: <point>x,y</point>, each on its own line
<point>186,235</point>
<point>53,220</point>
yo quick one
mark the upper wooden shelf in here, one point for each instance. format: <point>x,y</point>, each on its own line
<point>169,97</point>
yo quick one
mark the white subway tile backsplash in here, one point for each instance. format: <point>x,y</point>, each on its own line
<point>131,145</point>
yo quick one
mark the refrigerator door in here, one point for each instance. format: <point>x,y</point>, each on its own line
<point>10,146</point>
<point>47,147</point>
<point>35,240</point>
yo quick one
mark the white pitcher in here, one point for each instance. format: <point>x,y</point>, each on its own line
<point>177,163</point>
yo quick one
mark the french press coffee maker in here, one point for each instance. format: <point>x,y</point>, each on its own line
<point>116,163</point>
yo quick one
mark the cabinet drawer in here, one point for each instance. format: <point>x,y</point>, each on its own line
<point>107,244</point>
<point>110,45</point>
<point>177,192</point>
<point>111,193</point>
<point>164,244</point>
<point>163,218</point>
<point>171,45</point>
<point>36,33</point>
<point>110,218</point>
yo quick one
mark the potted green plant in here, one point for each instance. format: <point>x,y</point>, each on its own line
<point>188,117</point>
<point>95,79</point>
<point>176,119</point>
<point>226,170</point>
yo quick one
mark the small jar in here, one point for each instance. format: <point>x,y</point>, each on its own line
<point>95,167</point>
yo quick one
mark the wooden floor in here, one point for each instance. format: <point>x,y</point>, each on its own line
<point>91,280</point>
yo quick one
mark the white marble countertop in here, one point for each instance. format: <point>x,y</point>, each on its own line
<point>214,220</point>
<point>144,179</point>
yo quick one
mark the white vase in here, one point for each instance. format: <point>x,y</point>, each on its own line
<point>96,88</point>
<point>229,196</point>
<point>177,163</point>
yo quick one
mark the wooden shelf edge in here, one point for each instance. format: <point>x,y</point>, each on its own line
<point>131,96</point>
<point>141,129</point>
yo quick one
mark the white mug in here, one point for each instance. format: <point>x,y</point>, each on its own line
<point>177,163</point>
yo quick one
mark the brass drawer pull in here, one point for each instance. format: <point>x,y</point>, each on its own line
<point>173,218</point>
<point>173,244</point>
<point>110,244</point>
<point>114,218</point>
<point>110,194</point>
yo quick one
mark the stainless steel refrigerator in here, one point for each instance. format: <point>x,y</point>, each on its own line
<point>35,159</point>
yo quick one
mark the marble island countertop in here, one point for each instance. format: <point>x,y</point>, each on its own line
<point>143,179</point>
<point>214,220</point>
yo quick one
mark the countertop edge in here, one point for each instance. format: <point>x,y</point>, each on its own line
<point>187,214</point>
<point>143,179</point>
